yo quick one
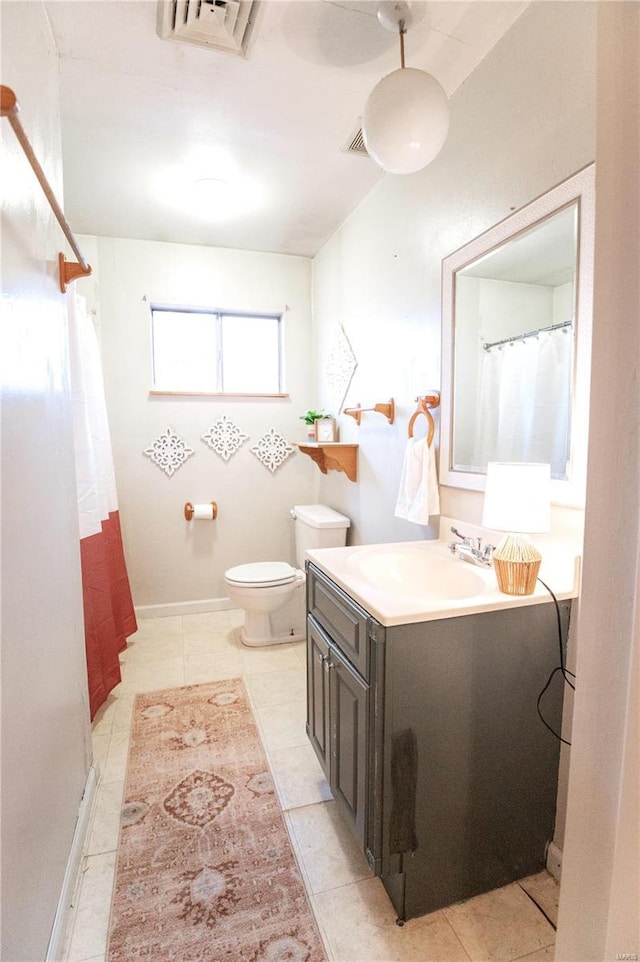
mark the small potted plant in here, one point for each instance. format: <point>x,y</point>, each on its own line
<point>310,418</point>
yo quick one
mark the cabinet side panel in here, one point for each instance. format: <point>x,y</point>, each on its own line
<point>466,688</point>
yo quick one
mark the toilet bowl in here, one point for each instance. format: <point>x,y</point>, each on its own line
<point>271,593</point>
<point>261,588</point>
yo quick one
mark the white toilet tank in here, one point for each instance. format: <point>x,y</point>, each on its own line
<point>318,526</point>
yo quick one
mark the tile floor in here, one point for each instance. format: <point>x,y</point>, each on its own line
<point>355,916</point>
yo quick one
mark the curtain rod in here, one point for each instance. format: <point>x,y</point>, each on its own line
<point>69,271</point>
<point>521,337</point>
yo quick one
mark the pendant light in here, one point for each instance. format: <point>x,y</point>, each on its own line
<point>406,117</point>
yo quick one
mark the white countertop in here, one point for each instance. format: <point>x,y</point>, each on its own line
<point>413,581</point>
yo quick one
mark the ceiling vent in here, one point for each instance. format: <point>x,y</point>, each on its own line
<point>224,25</point>
<point>355,142</point>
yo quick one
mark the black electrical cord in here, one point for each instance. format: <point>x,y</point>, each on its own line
<point>565,671</point>
<point>561,667</point>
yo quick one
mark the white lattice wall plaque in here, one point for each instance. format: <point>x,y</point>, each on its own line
<point>224,437</point>
<point>272,449</point>
<point>169,452</point>
<point>339,367</point>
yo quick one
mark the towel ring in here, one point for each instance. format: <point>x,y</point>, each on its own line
<point>425,401</point>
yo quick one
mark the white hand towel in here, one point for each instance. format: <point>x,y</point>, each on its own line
<point>418,496</point>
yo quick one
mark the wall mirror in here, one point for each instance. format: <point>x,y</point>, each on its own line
<point>516,343</point>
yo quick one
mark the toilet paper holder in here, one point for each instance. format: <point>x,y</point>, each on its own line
<point>206,512</point>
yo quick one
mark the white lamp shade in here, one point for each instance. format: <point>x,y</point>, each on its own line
<point>517,497</point>
<point>405,120</point>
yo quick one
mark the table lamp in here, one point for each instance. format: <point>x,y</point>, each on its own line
<point>517,500</point>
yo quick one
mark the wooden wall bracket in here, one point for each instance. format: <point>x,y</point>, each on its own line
<point>332,456</point>
<point>70,271</point>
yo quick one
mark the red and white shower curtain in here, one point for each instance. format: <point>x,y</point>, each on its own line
<point>109,616</point>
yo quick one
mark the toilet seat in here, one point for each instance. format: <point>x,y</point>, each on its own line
<point>262,574</point>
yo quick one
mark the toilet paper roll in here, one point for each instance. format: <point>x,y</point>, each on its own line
<point>201,512</point>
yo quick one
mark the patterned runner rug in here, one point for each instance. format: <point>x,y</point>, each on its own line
<point>205,869</point>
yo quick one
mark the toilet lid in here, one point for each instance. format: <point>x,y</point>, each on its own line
<point>261,574</point>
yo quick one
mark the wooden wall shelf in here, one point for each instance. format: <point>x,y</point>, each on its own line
<point>332,456</point>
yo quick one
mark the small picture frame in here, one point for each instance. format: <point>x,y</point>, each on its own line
<point>326,430</point>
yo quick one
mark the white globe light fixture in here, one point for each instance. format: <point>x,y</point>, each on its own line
<point>406,117</point>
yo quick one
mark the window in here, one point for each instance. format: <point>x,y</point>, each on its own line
<point>200,351</point>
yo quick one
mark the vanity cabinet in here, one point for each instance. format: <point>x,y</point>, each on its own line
<point>431,743</point>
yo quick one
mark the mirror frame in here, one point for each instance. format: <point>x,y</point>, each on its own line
<point>580,188</point>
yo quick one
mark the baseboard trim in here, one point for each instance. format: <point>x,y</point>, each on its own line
<point>72,871</point>
<point>554,861</point>
<point>183,608</point>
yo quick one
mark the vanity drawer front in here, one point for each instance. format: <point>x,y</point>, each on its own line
<point>343,620</point>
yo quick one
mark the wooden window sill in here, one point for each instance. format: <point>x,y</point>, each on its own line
<point>223,394</point>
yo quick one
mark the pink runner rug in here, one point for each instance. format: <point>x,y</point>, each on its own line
<point>205,869</point>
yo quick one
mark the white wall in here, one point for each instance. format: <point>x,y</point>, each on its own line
<point>522,122</point>
<point>563,303</point>
<point>169,559</point>
<point>45,715</point>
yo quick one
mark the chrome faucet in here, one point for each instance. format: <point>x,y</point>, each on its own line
<point>471,550</point>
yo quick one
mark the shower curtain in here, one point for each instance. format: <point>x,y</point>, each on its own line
<point>109,616</point>
<point>524,401</point>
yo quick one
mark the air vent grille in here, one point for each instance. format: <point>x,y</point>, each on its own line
<point>355,143</point>
<point>219,24</point>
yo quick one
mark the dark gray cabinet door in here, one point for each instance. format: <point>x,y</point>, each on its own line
<point>349,715</point>
<point>337,725</point>
<point>318,695</point>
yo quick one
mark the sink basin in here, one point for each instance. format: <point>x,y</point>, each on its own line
<point>411,582</point>
<point>418,571</point>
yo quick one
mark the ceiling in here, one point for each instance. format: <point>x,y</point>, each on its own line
<point>143,117</point>
<point>546,254</point>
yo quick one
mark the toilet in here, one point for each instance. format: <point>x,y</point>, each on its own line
<point>271,593</point>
